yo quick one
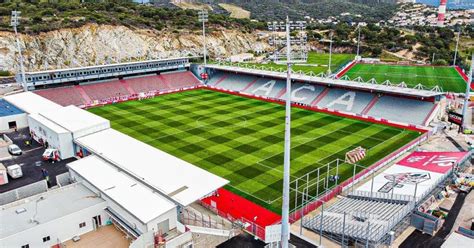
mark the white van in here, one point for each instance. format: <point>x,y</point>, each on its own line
<point>14,171</point>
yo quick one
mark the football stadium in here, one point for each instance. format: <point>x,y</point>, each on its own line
<point>241,139</point>
<point>202,147</point>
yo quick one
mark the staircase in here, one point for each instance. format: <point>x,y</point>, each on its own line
<point>370,105</point>
<point>249,85</point>
<point>84,95</point>
<point>320,97</point>
<point>127,86</point>
<point>221,79</point>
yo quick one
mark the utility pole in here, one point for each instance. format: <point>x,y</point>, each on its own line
<point>14,23</point>
<point>358,41</point>
<point>204,17</point>
<point>466,97</point>
<point>330,53</point>
<point>457,45</point>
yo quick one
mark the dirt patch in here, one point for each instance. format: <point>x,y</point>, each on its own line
<point>235,11</point>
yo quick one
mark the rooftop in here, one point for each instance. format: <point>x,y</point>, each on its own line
<point>48,123</point>
<point>139,200</point>
<point>175,178</point>
<point>31,103</point>
<point>46,207</point>
<point>75,119</point>
<point>7,109</point>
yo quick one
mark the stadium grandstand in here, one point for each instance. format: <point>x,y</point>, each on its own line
<point>388,102</point>
<point>420,105</point>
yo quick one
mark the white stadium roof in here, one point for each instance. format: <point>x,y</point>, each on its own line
<point>32,103</point>
<point>76,120</point>
<point>46,207</point>
<point>139,200</point>
<point>175,178</point>
<point>48,123</point>
<point>331,81</point>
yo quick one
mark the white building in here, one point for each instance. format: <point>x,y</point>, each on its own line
<point>139,188</point>
<point>11,117</point>
<point>50,218</point>
<point>131,204</point>
<point>61,126</point>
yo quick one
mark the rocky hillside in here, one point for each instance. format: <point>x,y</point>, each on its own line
<point>96,44</point>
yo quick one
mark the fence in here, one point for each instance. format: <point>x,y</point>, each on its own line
<point>23,192</point>
<point>309,203</point>
<point>341,223</point>
<point>195,218</point>
<point>249,226</point>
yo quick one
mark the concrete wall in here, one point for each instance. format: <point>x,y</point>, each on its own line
<point>21,121</point>
<point>171,216</point>
<point>110,203</point>
<point>61,141</point>
<point>94,129</point>
<point>59,230</point>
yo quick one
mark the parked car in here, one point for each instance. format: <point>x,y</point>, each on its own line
<point>14,150</point>
<point>51,155</point>
<point>14,171</point>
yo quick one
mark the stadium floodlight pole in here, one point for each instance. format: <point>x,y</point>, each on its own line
<point>466,97</point>
<point>457,46</point>
<point>330,53</point>
<point>358,41</point>
<point>285,213</point>
<point>14,23</point>
<point>204,17</point>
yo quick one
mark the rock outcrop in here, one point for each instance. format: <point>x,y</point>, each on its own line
<point>98,44</point>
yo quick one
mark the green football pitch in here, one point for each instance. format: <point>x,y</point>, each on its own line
<point>429,76</point>
<point>317,63</point>
<point>241,139</point>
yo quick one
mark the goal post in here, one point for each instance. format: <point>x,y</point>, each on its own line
<point>355,155</point>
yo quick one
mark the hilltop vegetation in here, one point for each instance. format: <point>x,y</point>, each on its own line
<point>361,10</point>
<point>421,41</point>
<point>41,16</point>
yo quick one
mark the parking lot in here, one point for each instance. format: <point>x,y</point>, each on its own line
<point>31,163</point>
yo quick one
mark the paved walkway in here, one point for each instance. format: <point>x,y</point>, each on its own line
<point>104,237</point>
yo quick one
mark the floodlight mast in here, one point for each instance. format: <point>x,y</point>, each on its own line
<point>466,97</point>
<point>330,53</point>
<point>358,41</point>
<point>15,21</point>
<point>204,17</point>
<point>457,46</point>
<point>286,163</point>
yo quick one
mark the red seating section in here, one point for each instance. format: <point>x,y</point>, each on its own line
<point>105,91</point>
<point>63,96</point>
<point>101,91</point>
<point>180,79</point>
<point>146,84</point>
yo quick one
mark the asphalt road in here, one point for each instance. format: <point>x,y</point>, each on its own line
<point>31,163</point>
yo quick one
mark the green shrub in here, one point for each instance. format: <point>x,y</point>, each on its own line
<point>4,73</point>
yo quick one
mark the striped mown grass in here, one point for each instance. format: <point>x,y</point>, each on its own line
<point>241,139</point>
<point>429,76</point>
